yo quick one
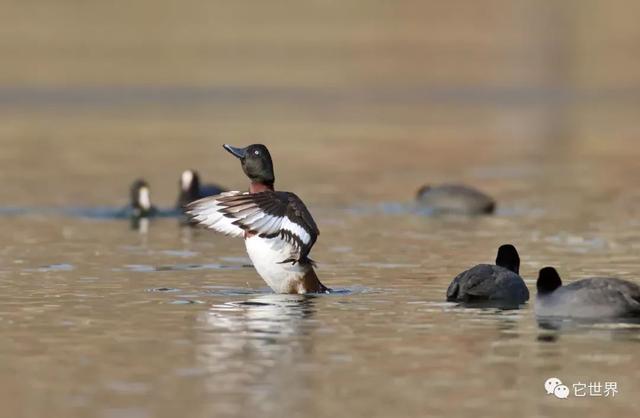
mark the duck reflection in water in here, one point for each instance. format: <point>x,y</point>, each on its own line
<point>254,349</point>
<point>271,314</point>
<point>139,224</point>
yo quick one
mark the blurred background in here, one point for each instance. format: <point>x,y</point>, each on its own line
<point>100,92</point>
<point>361,102</point>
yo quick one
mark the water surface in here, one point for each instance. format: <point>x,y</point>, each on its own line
<point>360,109</point>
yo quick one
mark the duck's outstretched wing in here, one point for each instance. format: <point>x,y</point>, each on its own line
<point>267,214</point>
<point>209,212</point>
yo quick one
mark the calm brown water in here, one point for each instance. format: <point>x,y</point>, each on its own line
<point>359,109</point>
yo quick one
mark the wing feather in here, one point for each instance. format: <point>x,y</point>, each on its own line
<point>268,214</point>
<point>208,213</point>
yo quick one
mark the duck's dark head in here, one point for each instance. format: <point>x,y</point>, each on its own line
<point>141,197</point>
<point>508,258</point>
<point>548,280</point>
<point>256,163</point>
<point>190,182</point>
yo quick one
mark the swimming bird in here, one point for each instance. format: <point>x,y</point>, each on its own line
<point>140,200</point>
<point>488,282</point>
<point>596,297</point>
<point>140,208</point>
<point>455,199</point>
<point>191,189</point>
<point>277,228</point>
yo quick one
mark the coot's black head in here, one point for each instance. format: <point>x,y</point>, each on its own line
<point>422,190</point>
<point>548,280</point>
<point>140,197</point>
<point>508,258</point>
<point>256,162</point>
<point>190,182</point>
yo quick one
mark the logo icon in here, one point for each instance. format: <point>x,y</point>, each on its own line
<point>554,386</point>
<point>551,384</point>
<point>561,392</point>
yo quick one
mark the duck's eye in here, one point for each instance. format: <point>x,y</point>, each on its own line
<point>256,152</point>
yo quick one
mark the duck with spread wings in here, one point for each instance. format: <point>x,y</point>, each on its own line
<point>277,227</point>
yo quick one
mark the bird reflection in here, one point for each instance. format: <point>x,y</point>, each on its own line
<point>140,224</point>
<point>491,304</point>
<point>254,348</point>
<point>551,328</point>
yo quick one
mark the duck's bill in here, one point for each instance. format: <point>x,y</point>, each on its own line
<point>238,152</point>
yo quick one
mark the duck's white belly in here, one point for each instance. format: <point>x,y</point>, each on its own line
<point>266,255</point>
